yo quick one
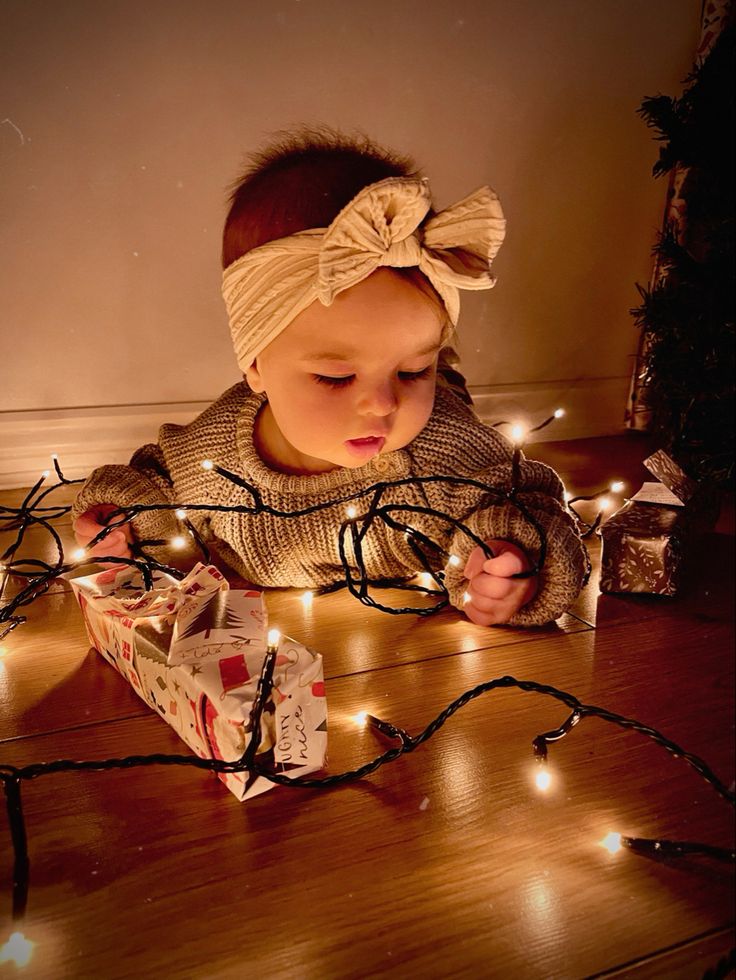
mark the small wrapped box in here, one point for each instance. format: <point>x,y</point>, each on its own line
<point>644,544</point>
<point>194,650</point>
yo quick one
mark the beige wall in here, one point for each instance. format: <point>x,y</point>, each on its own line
<point>123,123</point>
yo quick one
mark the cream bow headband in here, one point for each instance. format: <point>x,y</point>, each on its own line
<point>383,225</point>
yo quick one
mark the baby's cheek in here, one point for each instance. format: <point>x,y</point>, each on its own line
<point>423,407</point>
<point>318,409</point>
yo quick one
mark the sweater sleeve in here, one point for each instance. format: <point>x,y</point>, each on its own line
<point>468,448</point>
<point>145,480</point>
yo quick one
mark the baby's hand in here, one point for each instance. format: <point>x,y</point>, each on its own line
<point>494,597</point>
<point>91,522</point>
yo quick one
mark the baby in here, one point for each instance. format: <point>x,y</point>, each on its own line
<point>341,286</point>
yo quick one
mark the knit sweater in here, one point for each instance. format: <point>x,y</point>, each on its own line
<point>303,551</point>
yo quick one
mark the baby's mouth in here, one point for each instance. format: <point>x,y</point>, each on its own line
<point>365,447</point>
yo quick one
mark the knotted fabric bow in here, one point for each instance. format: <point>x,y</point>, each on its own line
<point>383,225</point>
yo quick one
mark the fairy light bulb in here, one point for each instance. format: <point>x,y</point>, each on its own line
<point>605,503</point>
<point>181,514</point>
<point>454,561</point>
<point>543,779</point>
<point>306,599</point>
<point>17,950</point>
<point>559,413</point>
<point>54,456</point>
<point>361,719</point>
<point>351,512</point>
<point>45,475</point>
<point>611,842</point>
<point>178,542</point>
<point>426,579</point>
<point>568,496</point>
<point>466,598</point>
<point>78,554</point>
<point>207,464</point>
<point>617,486</point>
<point>272,639</point>
<point>518,431</point>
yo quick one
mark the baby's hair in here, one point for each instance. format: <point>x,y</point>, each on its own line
<point>303,179</point>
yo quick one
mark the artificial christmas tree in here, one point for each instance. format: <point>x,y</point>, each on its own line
<point>686,369</point>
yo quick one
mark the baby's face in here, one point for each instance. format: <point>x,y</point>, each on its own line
<point>349,381</point>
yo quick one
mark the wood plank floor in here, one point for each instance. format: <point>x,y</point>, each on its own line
<point>446,863</point>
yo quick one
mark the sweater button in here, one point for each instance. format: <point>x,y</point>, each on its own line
<point>380,465</point>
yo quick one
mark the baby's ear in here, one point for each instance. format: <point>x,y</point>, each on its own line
<point>253,376</point>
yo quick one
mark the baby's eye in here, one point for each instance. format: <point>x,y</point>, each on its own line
<point>323,379</point>
<point>415,375</point>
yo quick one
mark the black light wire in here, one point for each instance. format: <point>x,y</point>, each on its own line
<point>30,514</point>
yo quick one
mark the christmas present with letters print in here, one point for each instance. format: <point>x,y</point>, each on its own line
<point>645,543</point>
<point>194,650</point>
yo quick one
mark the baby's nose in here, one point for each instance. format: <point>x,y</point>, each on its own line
<point>378,400</point>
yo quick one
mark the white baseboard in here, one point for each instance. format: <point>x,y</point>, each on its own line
<point>593,407</point>
<point>84,438</point>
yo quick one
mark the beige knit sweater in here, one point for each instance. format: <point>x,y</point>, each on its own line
<point>303,552</point>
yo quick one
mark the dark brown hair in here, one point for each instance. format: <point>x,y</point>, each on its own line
<point>303,179</point>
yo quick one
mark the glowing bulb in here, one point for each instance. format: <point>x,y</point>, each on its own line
<point>559,412</point>
<point>207,464</point>
<point>604,503</point>
<point>351,512</point>
<point>45,475</point>
<point>518,432</point>
<point>78,554</point>
<point>178,542</point>
<point>273,638</point>
<point>306,599</point>
<point>361,719</point>
<point>567,495</point>
<point>54,456</point>
<point>454,561</point>
<point>466,598</point>
<point>426,579</point>
<point>617,486</point>
<point>181,514</point>
<point>611,842</point>
<point>543,779</point>
<point>17,950</point>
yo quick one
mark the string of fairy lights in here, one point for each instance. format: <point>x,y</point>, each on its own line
<point>358,513</point>
<point>353,531</point>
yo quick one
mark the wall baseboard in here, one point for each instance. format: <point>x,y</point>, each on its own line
<point>84,438</point>
<point>593,406</point>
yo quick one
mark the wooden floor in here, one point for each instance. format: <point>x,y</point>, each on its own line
<point>446,863</point>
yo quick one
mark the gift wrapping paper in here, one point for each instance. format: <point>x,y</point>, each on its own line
<point>642,549</point>
<point>645,543</point>
<point>193,651</point>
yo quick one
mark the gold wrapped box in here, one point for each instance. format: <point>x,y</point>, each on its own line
<point>645,543</point>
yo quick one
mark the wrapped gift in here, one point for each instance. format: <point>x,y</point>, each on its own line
<point>194,651</point>
<point>644,544</point>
